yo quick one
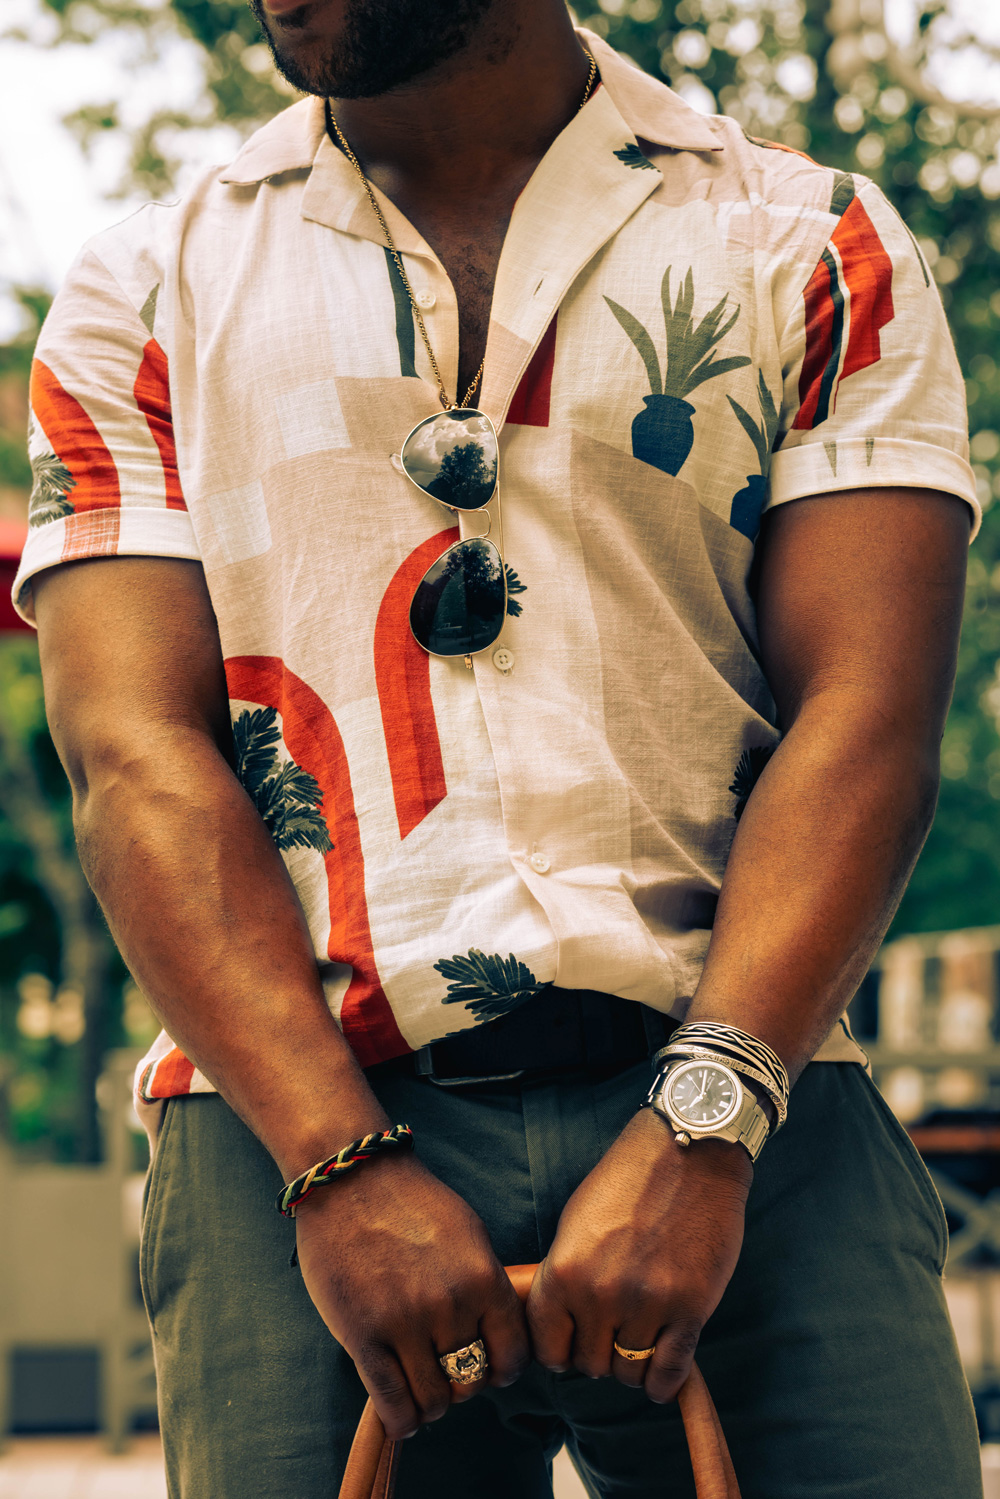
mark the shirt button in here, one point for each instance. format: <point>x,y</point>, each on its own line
<point>539,863</point>
<point>503,659</point>
<point>425,300</point>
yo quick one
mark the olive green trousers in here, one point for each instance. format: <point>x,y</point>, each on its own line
<point>830,1356</point>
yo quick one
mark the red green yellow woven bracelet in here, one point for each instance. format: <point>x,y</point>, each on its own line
<point>400,1137</point>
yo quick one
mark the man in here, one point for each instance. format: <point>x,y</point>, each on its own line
<point>468,873</point>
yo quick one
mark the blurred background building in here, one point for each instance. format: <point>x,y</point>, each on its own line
<point>105,103</point>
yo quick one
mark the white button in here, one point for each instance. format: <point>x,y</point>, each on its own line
<point>503,659</point>
<point>425,300</point>
<point>539,863</point>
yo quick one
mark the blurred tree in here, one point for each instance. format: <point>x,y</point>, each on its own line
<point>821,76</point>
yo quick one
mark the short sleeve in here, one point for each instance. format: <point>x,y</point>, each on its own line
<point>872,394</point>
<point>101,437</point>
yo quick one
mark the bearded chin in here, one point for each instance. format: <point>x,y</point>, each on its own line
<point>383,44</point>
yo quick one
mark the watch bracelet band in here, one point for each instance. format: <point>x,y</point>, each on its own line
<point>704,1054</point>
<point>752,1049</point>
<point>752,1136</point>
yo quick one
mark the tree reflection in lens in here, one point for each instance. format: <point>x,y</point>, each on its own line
<point>461,601</point>
<point>453,456</point>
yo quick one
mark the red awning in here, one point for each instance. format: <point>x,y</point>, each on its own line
<point>13,534</point>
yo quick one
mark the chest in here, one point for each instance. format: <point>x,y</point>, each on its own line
<point>468,239</point>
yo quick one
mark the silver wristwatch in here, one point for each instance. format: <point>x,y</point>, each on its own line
<point>704,1100</point>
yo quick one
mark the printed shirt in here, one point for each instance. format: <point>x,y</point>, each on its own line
<point>688,327</point>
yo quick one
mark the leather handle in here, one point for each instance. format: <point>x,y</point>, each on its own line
<point>372,1465</point>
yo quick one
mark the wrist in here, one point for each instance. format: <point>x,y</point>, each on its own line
<point>723,1159</point>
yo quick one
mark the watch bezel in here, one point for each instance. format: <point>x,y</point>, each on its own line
<point>688,1125</point>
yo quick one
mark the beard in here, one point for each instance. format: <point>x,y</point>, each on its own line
<point>383,43</point>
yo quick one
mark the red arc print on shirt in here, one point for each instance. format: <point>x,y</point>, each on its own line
<point>74,437</point>
<point>403,682</point>
<point>313,740</point>
<point>168,1077</point>
<point>80,446</point>
<point>152,396</point>
<point>866,271</point>
<point>530,406</point>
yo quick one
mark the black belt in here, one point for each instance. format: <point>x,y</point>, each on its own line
<point>556,1028</point>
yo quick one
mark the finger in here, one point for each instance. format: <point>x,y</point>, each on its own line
<point>383,1377</point>
<point>551,1326</point>
<point>670,1365</point>
<point>593,1340</point>
<point>503,1327</point>
<point>637,1338</point>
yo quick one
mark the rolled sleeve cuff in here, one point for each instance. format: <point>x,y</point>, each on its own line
<point>856,463</point>
<point>131,531</point>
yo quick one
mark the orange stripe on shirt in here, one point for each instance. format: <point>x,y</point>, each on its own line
<point>152,396</point>
<point>75,441</point>
<point>171,1076</point>
<point>313,740</point>
<point>403,680</point>
<point>868,274</point>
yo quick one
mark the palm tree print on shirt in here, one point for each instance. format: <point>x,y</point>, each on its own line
<point>287,797</point>
<point>53,482</point>
<point>749,502</point>
<point>663,435</point>
<point>633,157</point>
<point>749,770</point>
<point>487,986</point>
<point>514,585</point>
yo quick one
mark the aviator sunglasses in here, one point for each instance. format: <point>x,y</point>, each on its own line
<point>460,604</point>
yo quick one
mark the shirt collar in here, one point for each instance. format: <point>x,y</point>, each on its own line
<point>293,139</point>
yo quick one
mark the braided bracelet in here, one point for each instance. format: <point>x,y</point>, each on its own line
<point>400,1137</point>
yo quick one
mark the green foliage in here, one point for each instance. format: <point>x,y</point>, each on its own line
<point>488,986</point>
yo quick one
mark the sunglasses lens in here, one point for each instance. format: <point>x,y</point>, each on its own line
<point>461,602</point>
<point>454,458</point>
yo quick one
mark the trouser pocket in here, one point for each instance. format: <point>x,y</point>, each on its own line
<point>151,1203</point>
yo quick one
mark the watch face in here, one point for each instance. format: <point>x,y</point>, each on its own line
<point>702,1094</point>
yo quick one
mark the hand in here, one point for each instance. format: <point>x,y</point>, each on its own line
<point>644,1250</point>
<point>401,1271</point>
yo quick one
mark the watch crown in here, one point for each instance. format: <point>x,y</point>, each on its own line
<point>682,1137</point>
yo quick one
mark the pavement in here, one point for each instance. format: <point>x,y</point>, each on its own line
<point>81,1468</point>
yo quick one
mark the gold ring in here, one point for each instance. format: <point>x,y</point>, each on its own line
<point>635,1354</point>
<point>465,1365</point>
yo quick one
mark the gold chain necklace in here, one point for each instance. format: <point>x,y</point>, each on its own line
<point>448,405</point>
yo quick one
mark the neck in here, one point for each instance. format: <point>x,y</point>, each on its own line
<point>487,113</point>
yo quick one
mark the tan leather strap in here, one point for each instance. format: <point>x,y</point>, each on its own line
<point>372,1465</point>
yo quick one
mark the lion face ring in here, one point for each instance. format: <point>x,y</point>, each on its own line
<point>465,1365</point>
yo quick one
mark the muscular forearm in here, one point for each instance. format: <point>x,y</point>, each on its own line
<point>818,865</point>
<point>201,905</point>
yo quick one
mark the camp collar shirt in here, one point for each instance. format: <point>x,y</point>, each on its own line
<point>687,328</point>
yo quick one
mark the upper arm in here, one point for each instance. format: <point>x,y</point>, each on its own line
<point>860,594</point>
<point>130,655</point>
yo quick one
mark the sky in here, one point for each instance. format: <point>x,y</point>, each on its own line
<point>52,198</point>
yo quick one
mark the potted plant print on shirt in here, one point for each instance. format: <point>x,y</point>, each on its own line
<point>663,434</point>
<point>749,502</point>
